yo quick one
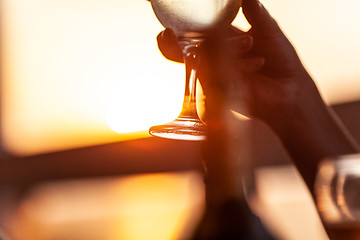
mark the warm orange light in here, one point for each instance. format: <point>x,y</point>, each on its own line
<point>151,206</point>
<point>160,206</point>
<point>71,69</point>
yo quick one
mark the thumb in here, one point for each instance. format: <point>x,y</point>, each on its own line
<point>259,18</point>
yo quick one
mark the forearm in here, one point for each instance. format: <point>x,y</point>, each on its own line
<point>312,131</point>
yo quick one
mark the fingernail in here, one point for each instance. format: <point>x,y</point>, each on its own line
<point>244,42</point>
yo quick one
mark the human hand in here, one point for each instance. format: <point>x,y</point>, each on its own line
<point>260,67</point>
<point>261,70</point>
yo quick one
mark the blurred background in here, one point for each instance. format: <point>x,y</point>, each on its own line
<point>82,81</point>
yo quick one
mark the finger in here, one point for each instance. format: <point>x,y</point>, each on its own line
<point>250,65</point>
<point>233,31</point>
<point>239,44</point>
<point>258,17</point>
<point>168,45</point>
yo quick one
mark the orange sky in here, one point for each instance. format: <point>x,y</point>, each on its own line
<point>74,72</point>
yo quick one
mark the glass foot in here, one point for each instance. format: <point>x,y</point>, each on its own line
<point>181,129</point>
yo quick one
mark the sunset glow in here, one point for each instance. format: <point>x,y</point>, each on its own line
<point>88,71</point>
<point>137,207</point>
<point>78,73</point>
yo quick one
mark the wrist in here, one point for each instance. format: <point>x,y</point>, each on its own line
<point>310,131</point>
<point>299,106</point>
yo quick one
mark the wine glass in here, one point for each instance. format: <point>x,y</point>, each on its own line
<point>192,21</point>
<point>337,191</point>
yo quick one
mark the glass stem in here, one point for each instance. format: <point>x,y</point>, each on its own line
<point>192,62</point>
